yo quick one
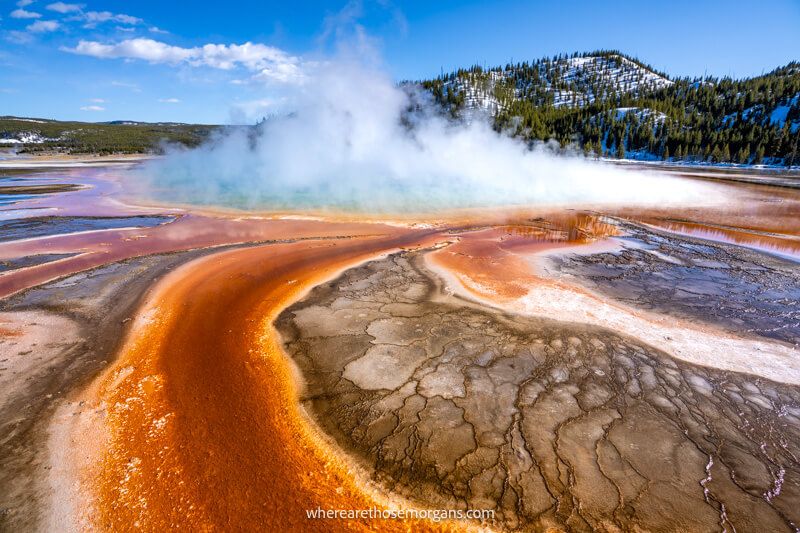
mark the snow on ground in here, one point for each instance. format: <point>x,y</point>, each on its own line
<point>618,72</point>
<point>571,81</point>
<point>641,113</point>
<point>781,112</point>
<point>29,120</point>
<point>27,137</point>
<point>777,116</point>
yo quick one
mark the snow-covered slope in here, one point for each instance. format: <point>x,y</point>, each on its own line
<point>776,116</point>
<point>567,81</point>
<point>480,91</point>
<point>641,114</point>
<point>780,114</point>
<point>24,137</point>
<point>580,80</point>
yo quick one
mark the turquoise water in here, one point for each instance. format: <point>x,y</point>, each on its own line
<point>377,196</point>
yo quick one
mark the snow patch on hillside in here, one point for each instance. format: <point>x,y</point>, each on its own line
<point>479,91</point>
<point>26,137</point>
<point>776,117</point>
<point>574,82</point>
<point>641,114</point>
<point>29,120</point>
<point>780,114</point>
<point>595,76</point>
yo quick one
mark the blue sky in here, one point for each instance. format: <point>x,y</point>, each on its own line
<point>188,61</point>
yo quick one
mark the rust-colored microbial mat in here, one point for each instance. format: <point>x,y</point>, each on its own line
<point>204,431</point>
<point>491,262</point>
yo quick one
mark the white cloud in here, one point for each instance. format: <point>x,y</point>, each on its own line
<point>125,85</point>
<point>156,29</point>
<point>146,49</point>
<point>169,100</point>
<point>61,7</point>
<point>95,17</point>
<point>97,100</point>
<point>282,72</point>
<point>43,26</point>
<point>93,108</point>
<point>19,37</point>
<point>23,3</point>
<point>251,56</point>
<point>270,63</point>
<point>23,14</point>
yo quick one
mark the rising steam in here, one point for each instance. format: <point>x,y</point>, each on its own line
<point>350,143</point>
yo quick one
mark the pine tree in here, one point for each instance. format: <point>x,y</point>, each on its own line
<point>759,155</point>
<point>598,149</point>
<point>742,155</point>
<point>666,153</point>
<point>621,149</point>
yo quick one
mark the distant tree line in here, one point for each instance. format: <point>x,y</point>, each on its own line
<point>102,138</point>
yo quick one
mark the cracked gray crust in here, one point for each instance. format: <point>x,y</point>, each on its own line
<point>732,287</point>
<point>551,424</point>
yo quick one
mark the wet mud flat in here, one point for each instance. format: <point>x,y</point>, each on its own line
<point>552,424</point>
<point>743,291</point>
<point>54,339</point>
<point>32,227</point>
<point>38,189</point>
<point>15,263</point>
<point>14,189</point>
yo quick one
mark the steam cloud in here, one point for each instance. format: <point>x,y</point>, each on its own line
<point>350,144</point>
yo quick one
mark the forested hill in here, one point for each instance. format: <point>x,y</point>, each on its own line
<point>614,105</point>
<point>36,135</point>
